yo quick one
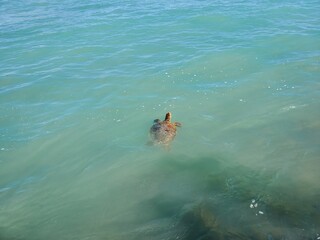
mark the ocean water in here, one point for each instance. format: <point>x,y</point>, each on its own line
<point>82,81</point>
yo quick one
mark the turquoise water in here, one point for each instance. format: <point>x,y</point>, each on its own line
<point>81,83</point>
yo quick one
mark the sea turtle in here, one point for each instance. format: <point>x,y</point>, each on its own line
<point>163,132</point>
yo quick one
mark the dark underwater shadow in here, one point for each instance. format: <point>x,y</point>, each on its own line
<point>4,236</point>
<point>226,201</point>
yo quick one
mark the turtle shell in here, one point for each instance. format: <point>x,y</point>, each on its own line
<point>163,132</point>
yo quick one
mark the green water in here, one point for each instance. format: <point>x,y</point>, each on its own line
<point>81,83</point>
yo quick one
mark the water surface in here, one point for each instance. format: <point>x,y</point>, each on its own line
<point>80,84</point>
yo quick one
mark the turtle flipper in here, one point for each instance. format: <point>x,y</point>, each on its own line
<point>177,124</point>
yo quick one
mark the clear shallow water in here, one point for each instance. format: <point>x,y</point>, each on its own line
<point>82,82</point>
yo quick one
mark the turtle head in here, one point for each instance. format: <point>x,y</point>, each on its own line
<point>168,117</point>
